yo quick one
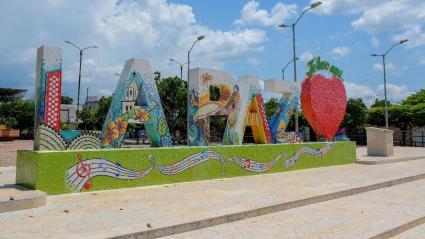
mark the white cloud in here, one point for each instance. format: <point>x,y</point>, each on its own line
<point>375,41</point>
<point>105,92</point>
<point>354,90</point>
<point>395,93</point>
<point>150,29</point>
<point>406,16</point>
<point>253,61</point>
<point>390,67</point>
<point>414,34</point>
<point>252,15</point>
<point>306,56</point>
<point>340,51</point>
<point>389,15</point>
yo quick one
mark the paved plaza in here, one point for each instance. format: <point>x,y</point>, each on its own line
<point>346,201</point>
<point>8,151</point>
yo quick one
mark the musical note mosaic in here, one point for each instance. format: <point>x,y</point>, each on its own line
<point>80,176</point>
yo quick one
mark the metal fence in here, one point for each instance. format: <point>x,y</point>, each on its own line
<point>401,138</point>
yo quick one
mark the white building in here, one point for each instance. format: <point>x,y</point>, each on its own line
<point>69,115</point>
<point>130,97</point>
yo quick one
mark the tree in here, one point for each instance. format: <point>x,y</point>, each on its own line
<point>157,77</point>
<point>102,110</point>
<point>399,116</point>
<point>90,119</point>
<point>271,106</point>
<point>415,99</point>
<point>173,93</point>
<point>376,116</point>
<point>418,114</point>
<point>66,100</point>
<point>17,114</point>
<point>380,103</point>
<point>355,115</point>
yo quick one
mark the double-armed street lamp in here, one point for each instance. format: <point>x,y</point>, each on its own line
<point>181,67</point>
<point>385,76</point>
<point>286,66</point>
<point>79,75</point>
<point>314,5</point>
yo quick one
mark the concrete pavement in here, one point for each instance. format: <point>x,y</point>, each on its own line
<point>363,215</point>
<point>168,209</point>
<point>401,154</point>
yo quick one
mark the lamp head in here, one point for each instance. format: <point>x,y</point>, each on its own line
<point>67,42</point>
<point>373,55</point>
<point>95,47</point>
<point>404,41</point>
<point>283,25</point>
<point>316,4</point>
<point>297,58</point>
<point>201,37</point>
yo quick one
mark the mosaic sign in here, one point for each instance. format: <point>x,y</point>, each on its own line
<point>48,92</point>
<point>90,170</point>
<point>316,65</point>
<point>323,100</point>
<point>136,100</point>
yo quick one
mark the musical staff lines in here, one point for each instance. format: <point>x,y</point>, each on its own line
<point>80,176</point>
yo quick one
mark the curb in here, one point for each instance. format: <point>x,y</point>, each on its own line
<point>23,199</point>
<point>400,229</point>
<point>396,160</point>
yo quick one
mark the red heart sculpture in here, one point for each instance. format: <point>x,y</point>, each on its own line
<point>323,102</point>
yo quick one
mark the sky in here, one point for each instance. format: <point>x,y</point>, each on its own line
<point>242,38</point>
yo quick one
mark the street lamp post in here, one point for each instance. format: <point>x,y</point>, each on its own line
<point>385,76</point>
<point>188,55</point>
<point>79,75</point>
<point>181,67</point>
<point>286,66</point>
<point>199,38</point>
<point>314,5</point>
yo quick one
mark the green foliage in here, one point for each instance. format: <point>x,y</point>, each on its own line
<point>355,115</point>
<point>302,122</point>
<point>157,77</point>
<point>271,106</point>
<point>8,94</point>
<point>380,103</point>
<point>399,116</point>
<point>17,114</point>
<point>376,116</point>
<point>64,126</point>
<point>102,110</point>
<point>173,93</point>
<point>415,99</point>
<point>418,114</point>
<point>66,100</point>
<point>94,118</point>
<point>214,93</point>
<point>90,119</point>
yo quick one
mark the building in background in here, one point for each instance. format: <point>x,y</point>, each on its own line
<point>91,102</point>
<point>69,115</point>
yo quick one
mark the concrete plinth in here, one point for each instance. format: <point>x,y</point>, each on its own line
<point>379,142</point>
